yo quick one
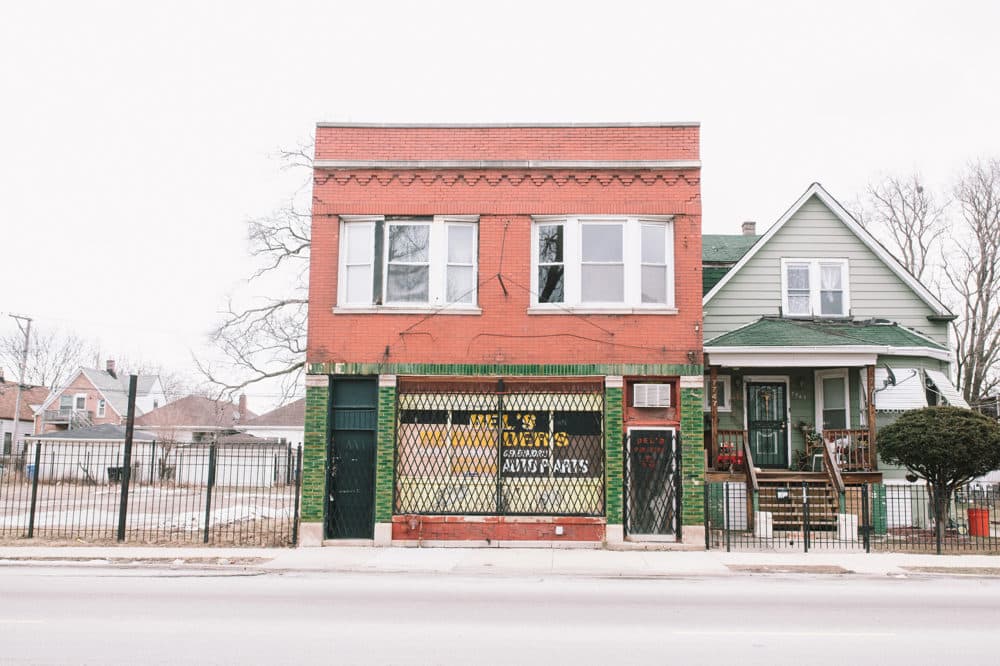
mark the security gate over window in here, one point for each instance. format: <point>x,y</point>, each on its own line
<point>503,447</point>
<point>652,483</point>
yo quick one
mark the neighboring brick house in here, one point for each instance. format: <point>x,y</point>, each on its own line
<point>195,419</point>
<point>31,398</point>
<point>286,423</point>
<point>493,309</point>
<point>93,397</point>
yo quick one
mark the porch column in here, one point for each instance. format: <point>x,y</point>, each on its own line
<point>872,449</point>
<point>713,388</point>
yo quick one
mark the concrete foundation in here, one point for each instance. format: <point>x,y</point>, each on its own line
<point>310,535</point>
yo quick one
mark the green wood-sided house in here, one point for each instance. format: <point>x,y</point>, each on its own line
<point>814,336</point>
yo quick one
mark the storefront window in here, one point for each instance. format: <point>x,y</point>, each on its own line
<point>531,452</point>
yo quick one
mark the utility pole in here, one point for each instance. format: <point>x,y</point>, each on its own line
<point>23,323</point>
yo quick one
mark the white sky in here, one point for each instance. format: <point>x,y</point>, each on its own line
<point>137,138</point>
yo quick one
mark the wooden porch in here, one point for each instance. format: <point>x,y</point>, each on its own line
<point>830,451</point>
<point>852,451</point>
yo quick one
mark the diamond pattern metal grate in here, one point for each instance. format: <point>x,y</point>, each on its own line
<point>519,451</point>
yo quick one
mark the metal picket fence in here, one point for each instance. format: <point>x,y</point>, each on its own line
<point>164,493</point>
<point>865,517</point>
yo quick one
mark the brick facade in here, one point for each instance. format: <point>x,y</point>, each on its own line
<point>505,175</point>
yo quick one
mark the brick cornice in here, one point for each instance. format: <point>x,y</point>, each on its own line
<point>625,177</point>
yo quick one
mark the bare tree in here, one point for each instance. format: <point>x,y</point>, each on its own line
<point>265,339</point>
<point>53,355</point>
<point>972,269</point>
<point>905,212</point>
<point>175,385</point>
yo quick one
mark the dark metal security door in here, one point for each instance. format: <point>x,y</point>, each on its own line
<point>351,476</point>
<point>767,424</point>
<point>652,483</point>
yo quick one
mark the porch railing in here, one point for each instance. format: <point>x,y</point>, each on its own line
<point>76,418</point>
<point>730,449</point>
<point>851,449</point>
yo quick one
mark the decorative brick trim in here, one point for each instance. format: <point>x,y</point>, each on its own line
<point>507,370</point>
<point>509,178</point>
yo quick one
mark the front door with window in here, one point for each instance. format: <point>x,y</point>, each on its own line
<point>767,423</point>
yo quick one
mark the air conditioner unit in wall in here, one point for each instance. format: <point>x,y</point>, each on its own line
<point>651,395</point>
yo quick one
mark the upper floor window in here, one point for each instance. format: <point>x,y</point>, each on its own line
<point>814,288</point>
<point>101,407</point>
<point>602,262</point>
<point>408,262</point>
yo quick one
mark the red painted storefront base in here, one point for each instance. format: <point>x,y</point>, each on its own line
<point>496,528</point>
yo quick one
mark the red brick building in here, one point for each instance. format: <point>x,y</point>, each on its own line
<point>493,310</point>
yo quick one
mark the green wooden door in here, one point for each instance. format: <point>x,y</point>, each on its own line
<point>351,472</point>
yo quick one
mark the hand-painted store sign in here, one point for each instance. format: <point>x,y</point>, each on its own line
<point>533,443</point>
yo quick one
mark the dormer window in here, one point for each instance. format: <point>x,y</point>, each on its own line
<point>814,288</point>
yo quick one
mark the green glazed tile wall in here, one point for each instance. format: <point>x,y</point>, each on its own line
<point>384,456</point>
<point>314,453</point>
<point>613,468</point>
<point>692,456</point>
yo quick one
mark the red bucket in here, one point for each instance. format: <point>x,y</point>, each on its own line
<point>979,522</point>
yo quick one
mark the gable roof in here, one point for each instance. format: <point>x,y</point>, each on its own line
<point>194,410</point>
<point>817,190</point>
<point>292,415</point>
<point>778,332</point>
<point>114,389</point>
<point>30,395</point>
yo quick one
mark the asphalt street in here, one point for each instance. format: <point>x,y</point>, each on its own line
<point>75,615</point>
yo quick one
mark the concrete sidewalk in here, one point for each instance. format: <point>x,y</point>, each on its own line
<point>505,561</point>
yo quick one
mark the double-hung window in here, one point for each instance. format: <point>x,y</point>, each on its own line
<point>602,263</point>
<point>408,262</point>
<point>815,288</point>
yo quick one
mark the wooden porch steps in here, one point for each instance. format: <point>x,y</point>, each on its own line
<point>784,501</point>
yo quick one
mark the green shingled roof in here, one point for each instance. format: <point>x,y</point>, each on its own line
<point>718,254</point>
<point>725,249</point>
<point>771,332</point>
<point>710,276</point>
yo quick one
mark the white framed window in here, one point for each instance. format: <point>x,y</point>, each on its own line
<point>602,263</point>
<point>101,407</point>
<point>815,288</point>
<point>80,401</point>
<point>403,263</point>
<point>724,393</point>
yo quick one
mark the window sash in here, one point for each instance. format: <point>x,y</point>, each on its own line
<point>609,276</point>
<point>815,287</point>
<point>439,266</point>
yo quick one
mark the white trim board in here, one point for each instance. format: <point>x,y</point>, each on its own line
<point>827,199</point>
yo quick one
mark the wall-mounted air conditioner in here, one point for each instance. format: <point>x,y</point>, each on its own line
<point>651,395</point>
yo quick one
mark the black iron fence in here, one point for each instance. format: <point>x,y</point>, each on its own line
<point>500,451</point>
<point>865,517</point>
<point>165,492</point>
